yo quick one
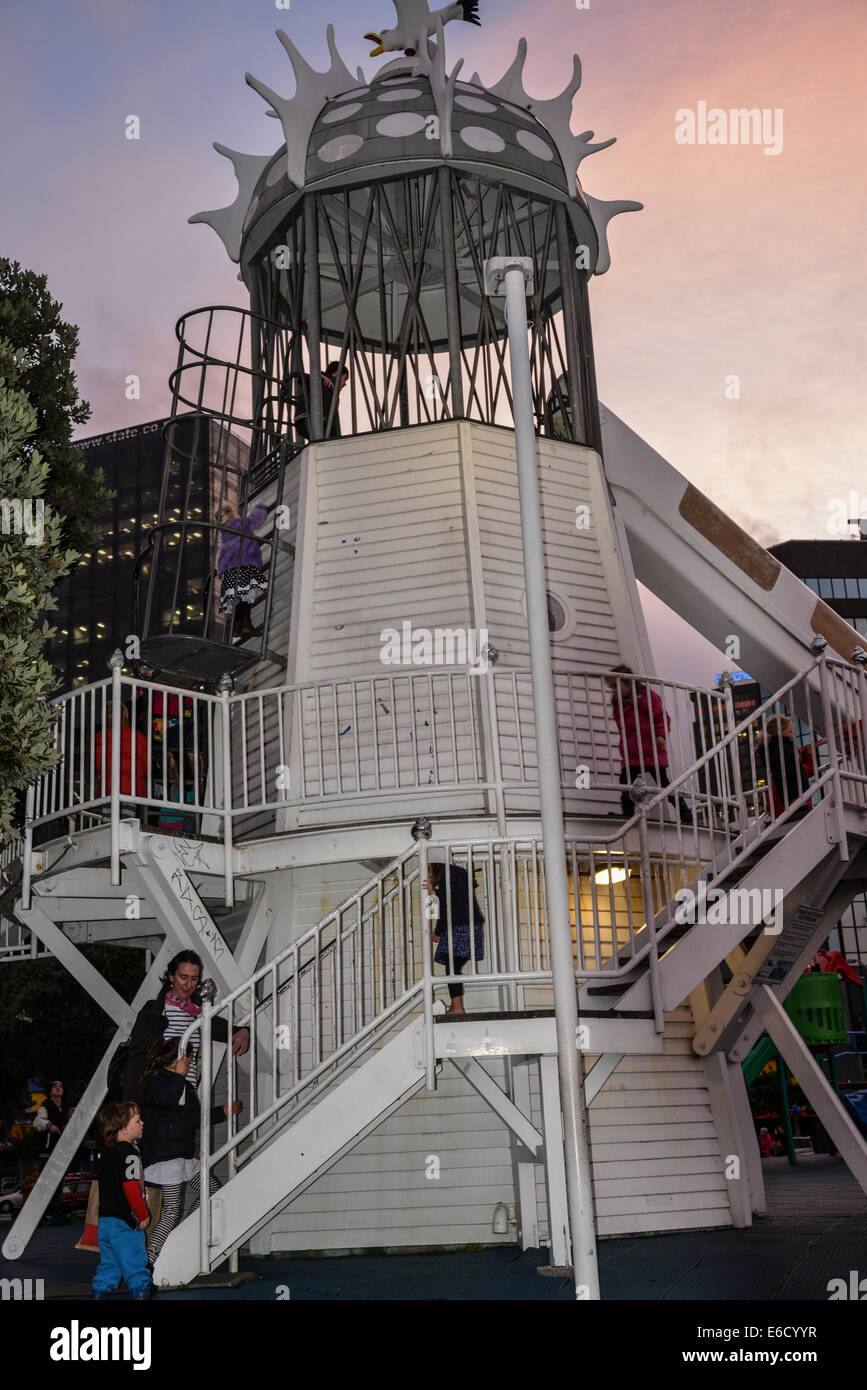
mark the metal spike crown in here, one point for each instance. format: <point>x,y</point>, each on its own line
<point>298,115</point>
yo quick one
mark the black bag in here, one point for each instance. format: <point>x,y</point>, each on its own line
<point>116,1075</point>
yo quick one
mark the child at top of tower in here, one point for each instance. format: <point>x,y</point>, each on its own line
<point>331,389</point>
<point>239,565</point>
<point>643,726</point>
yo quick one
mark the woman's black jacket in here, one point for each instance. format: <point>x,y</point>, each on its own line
<point>170,1128</point>
<point>150,1024</point>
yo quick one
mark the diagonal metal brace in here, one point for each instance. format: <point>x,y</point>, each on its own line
<point>517,1121</point>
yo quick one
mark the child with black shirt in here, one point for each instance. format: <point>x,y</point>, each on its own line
<point>123,1212</point>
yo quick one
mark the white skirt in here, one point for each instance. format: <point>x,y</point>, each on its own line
<point>171,1172</point>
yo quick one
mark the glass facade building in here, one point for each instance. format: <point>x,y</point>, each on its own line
<point>836,571</point>
<point>95,611</point>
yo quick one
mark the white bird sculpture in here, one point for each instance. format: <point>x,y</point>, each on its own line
<point>414,18</point>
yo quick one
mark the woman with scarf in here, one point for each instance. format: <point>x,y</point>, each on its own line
<point>169,1016</point>
<point>51,1120</point>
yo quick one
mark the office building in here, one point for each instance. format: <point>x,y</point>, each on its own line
<point>95,604</point>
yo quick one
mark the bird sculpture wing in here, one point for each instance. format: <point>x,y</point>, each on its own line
<point>468,10</point>
<point>413,16</point>
<point>448,13</point>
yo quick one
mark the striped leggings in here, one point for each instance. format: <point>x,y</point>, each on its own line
<point>171,1214</point>
<point>178,1201</point>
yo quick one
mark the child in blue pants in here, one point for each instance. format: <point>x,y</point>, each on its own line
<point>123,1211</point>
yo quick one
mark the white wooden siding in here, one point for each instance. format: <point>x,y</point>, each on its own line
<point>656,1164</point>
<point>379,1195</point>
<point>423,526</point>
<point>262,735</point>
<point>655,1152</point>
<point>585,572</point>
<point>389,546</point>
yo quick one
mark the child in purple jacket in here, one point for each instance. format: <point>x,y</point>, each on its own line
<point>239,565</point>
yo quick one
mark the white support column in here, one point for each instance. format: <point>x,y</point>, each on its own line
<point>555,1166</point>
<point>813,1082</point>
<point>34,1208</point>
<point>116,664</point>
<point>513,276</point>
<point>162,870</point>
<point>744,1119</point>
<point>738,1150</point>
<point>225,689</point>
<point>254,932</point>
<point>525,1172</point>
<point>79,967</point>
<point>730,1108</point>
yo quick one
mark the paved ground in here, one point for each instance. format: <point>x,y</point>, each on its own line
<point>815,1230</point>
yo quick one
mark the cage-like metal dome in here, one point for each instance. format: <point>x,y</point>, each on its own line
<point>391,124</point>
<point>363,242</point>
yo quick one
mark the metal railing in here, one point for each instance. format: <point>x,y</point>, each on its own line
<point>439,729</point>
<point>328,998</point>
<point>201,763</point>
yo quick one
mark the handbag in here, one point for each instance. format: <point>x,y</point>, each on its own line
<point>90,1238</point>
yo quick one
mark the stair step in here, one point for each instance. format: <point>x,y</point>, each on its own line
<point>538,1013</point>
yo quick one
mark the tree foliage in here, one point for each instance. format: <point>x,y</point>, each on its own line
<point>46,346</point>
<point>49,511</point>
<point>31,563</point>
<point>50,1027</point>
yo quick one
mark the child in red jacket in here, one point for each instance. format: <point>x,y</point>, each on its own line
<point>132,744</point>
<point>643,726</point>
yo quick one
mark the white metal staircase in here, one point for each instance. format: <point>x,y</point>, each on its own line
<point>358,970</point>
<point>342,1021</point>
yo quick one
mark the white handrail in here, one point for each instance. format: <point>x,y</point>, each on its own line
<point>312,743</point>
<point>378,934</point>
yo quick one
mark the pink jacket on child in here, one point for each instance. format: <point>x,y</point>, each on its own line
<point>640,723</point>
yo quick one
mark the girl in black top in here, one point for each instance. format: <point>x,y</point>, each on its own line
<point>172,1117</point>
<point>454,932</point>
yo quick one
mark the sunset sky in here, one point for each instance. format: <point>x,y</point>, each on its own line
<point>741,264</point>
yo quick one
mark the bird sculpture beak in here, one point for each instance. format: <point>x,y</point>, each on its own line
<point>375,38</point>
